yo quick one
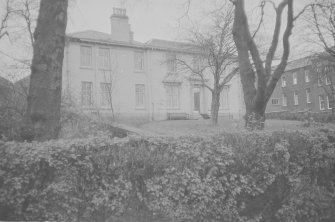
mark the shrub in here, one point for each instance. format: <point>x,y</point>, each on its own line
<point>322,117</point>
<point>250,176</point>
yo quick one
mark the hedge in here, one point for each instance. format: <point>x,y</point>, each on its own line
<point>323,117</point>
<point>246,176</point>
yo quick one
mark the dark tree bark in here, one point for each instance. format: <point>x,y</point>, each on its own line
<point>44,99</point>
<point>215,106</point>
<point>257,78</point>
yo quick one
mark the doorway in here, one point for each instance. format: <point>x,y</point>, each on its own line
<point>196,100</point>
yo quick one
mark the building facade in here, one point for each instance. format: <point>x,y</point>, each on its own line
<point>112,73</point>
<point>300,89</point>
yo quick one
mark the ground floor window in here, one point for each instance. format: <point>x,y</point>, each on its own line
<point>106,94</point>
<point>275,101</point>
<point>308,95</point>
<point>172,94</point>
<point>296,98</point>
<point>140,95</point>
<point>329,105</point>
<point>224,97</point>
<point>86,93</point>
<point>284,100</point>
<point>322,102</point>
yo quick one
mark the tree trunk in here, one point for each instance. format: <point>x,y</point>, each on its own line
<point>255,117</point>
<point>215,106</point>
<point>44,99</point>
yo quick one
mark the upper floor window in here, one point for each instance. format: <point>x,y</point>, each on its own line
<point>322,102</point>
<point>308,95</point>
<point>139,61</point>
<point>307,75</point>
<point>284,100</point>
<point>319,80</point>
<point>106,94</point>
<point>104,58</point>
<point>275,101</point>
<point>328,81</point>
<point>295,78</point>
<point>172,63</point>
<point>283,81</point>
<point>86,56</point>
<point>172,93</point>
<point>140,95</point>
<point>86,93</point>
<point>329,105</point>
<point>296,98</point>
<point>196,63</point>
<point>224,97</point>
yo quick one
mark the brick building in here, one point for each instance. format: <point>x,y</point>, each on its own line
<point>298,90</point>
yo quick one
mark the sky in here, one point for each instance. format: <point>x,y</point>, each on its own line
<point>162,19</point>
<point>148,18</point>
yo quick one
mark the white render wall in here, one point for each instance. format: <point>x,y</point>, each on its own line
<point>155,71</point>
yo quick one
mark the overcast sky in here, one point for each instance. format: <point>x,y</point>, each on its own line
<point>165,19</point>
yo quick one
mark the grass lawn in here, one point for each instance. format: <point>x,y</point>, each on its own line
<point>203,127</point>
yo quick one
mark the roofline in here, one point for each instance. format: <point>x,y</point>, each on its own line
<point>145,46</point>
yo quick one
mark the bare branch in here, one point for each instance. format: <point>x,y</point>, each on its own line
<point>4,20</point>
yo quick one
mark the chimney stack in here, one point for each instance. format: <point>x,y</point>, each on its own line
<point>120,27</point>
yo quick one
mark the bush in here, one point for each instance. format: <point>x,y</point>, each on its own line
<point>250,176</point>
<point>323,117</point>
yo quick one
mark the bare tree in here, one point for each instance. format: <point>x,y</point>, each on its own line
<point>44,99</point>
<point>323,70</point>
<point>258,77</point>
<point>108,88</point>
<point>214,55</point>
<point>322,19</point>
<point>4,19</point>
<point>26,12</point>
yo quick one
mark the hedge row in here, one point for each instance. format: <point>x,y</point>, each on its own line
<point>323,117</point>
<point>250,176</point>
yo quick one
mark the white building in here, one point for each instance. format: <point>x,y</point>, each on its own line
<point>141,80</point>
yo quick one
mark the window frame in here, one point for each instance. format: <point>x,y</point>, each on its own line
<point>308,95</point>
<point>327,80</point>
<point>322,102</point>
<point>84,96</point>
<point>175,94</point>
<point>171,62</point>
<point>103,92</point>
<point>283,81</point>
<point>328,104</point>
<point>275,104</point>
<point>142,68</point>
<point>284,98</point>
<point>306,73</point>
<point>81,56</point>
<point>224,93</point>
<point>140,95</point>
<point>295,78</point>
<point>100,58</point>
<point>296,98</point>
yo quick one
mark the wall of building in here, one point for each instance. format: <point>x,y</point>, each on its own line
<point>300,87</point>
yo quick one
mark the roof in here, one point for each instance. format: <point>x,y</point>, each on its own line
<point>92,35</point>
<point>95,36</point>
<point>299,63</point>
<point>170,44</point>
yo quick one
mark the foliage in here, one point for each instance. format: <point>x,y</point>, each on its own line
<point>323,117</point>
<point>249,176</point>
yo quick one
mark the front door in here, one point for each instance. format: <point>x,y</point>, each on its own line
<point>196,102</point>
